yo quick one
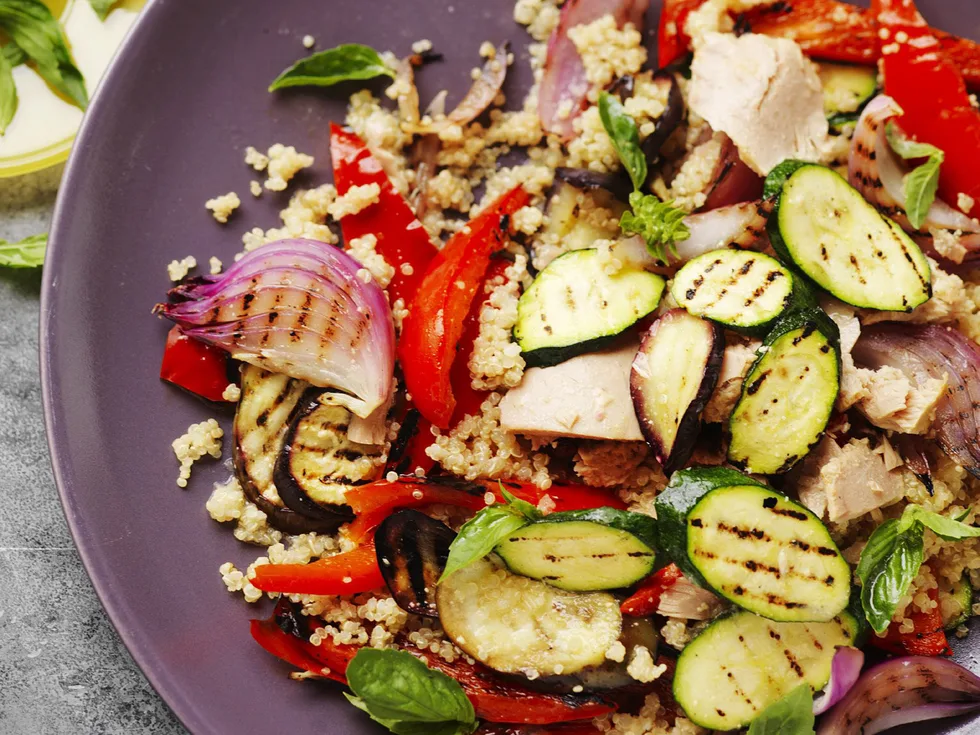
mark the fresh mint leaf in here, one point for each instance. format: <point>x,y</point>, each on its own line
<point>922,182</point>
<point>950,529</point>
<point>349,61</point>
<point>479,535</point>
<point>621,129</point>
<point>888,564</point>
<point>659,223</point>
<point>791,715</point>
<point>102,7</point>
<point>401,693</point>
<point>27,253</point>
<point>37,33</point>
<point>8,93</point>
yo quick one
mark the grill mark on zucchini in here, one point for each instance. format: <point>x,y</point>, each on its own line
<point>754,566</point>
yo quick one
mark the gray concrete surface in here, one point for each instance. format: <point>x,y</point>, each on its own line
<point>63,669</point>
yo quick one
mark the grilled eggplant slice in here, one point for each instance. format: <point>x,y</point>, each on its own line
<point>517,625</point>
<point>318,462</point>
<point>671,381</point>
<point>412,551</point>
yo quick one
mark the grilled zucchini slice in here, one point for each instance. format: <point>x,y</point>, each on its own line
<point>787,396</point>
<point>583,550</point>
<point>671,380</point>
<point>742,663</point>
<point>741,289</point>
<point>846,90</point>
<point>826,228</point>
<point>517,625</point>
<point>752,545</point>
<point>574,306</point>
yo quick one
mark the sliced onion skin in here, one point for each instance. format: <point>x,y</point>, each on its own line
<point>877,172</point>
<point>845,670</point>
<point>564,86</point>
<point>931,351</point>
<point>739,225</point>
<point>903,690</point>
<point>297,307</point>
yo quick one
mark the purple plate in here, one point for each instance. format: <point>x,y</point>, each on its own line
<point>167,131</point>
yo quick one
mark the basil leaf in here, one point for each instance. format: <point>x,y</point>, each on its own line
<point>402,693</point>
<point>8,93</point>
<point>621,129</point>
<point>523,507</point>
<point>480,535</point>
<point>13,54</point>
<point>920,184</point>
<point>340,64</point>
<point>791,715</point>
<point>28,253</point>
<point>888,564</point>
<point>659,223</point>
<point>949,529</point>
<point>37,33</point>
<point>102,7</point>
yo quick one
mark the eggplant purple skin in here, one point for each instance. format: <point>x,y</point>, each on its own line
<point>667,123</point>
<point>412,550</point>
<point>689,425</point>
<point>289,490</point>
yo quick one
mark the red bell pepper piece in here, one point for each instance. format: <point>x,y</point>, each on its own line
<point>927,638</point>
<point>374,502</point>
<point>402,239</point>
<point>344,574</point>
<point>292,650</point>
<point>825,29</point>
<point>932,93</point>
<point>435,321</point>
<point>194,366</point>
<point>645,600</point>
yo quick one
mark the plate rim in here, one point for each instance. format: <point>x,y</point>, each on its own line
<point>54,431</point>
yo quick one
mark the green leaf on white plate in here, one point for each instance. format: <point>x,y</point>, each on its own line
<point>350,61</point>
<point>401,693</point>
<point>27,253</point>
<point>8,93</point>
<point>33,28</point>
<point>922,182</point>
<point>102,7</point>
<point>791,715</point>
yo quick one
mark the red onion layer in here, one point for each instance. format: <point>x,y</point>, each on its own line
<point>845,670</point>
<point>931,351</point>
<point>296,307</point>
<point>904,690</point>
<point>878,173</point>
<point>564,86</point>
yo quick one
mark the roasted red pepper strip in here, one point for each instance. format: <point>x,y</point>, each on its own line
<point>645,600</point>
<point>292,650</point>
<point>374,502</point>
<point>402,239</point>
<point>435,321</point>
<point>927,637</point>
<point>931,91</point>
<point>497,701</point>
<point>825,29</point>
<point>194,366</point>
<point>343,574</point>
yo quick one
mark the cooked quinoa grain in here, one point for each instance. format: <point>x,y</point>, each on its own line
<point>177,269</point>
<point>222,207</point>
<point>199,440</point>
<point>284,163</point>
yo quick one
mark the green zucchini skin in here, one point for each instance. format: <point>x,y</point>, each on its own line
<point>574,306</point>
<point>787,396</point>
<point>822,225</point>
<point>752,546</point>
<point>584,551</point>
<point>741,663</point>
<point>740,289</point>
<point>847,88</point>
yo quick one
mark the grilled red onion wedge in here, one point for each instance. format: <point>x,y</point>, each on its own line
<point>931,351</point>
<point>297,307</point>
<point>673,376</point>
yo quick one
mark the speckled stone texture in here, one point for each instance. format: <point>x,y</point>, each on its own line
<point>62,666</point>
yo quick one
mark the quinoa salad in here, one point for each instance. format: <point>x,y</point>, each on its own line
<point>646,404</point>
